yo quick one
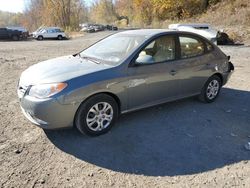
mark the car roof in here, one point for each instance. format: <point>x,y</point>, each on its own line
<point>146,32</point>
<point>152,32</point>
<point>51,28</point>
<point>190,25</point>
<point>17,28</point>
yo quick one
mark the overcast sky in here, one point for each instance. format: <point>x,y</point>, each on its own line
<point>12,5</point>
<point>18,5</point>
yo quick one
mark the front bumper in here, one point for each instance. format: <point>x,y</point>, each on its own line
<point>48,113</point>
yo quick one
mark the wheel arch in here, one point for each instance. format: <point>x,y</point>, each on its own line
<point>220,76</point>
<point>203,90</point>
<point>115,97</point>
<point>215,74</point>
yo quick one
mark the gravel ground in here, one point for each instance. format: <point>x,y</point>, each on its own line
<point>181,144</point>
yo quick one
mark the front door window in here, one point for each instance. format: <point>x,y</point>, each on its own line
<point>159,50</point>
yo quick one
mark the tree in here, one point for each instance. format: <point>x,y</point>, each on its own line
<point>124,10</point>
<point>64,13</point>
<point>70,13</point>
<point>102,11</point>
<point>144,9</point>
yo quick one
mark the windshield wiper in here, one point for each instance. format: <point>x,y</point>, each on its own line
<point>90,59</point>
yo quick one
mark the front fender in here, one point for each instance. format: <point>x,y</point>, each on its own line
<point>80,94</point>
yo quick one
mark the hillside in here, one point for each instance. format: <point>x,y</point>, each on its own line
<point>233,16</point>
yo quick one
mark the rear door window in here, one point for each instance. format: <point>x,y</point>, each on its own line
<point>58,31</point>
<point>191,47</point>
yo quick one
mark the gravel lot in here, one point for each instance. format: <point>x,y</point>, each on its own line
<point>181,144</point>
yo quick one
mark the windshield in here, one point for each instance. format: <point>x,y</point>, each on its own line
<point>113,49</point>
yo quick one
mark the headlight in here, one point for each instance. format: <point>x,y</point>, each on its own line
<point>46,90</point>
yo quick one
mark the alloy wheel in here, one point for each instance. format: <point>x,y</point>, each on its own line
<point>99,116</point>
<point>212,89</point>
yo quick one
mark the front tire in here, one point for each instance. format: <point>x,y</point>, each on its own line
<point>211,89</point>
<point>40,37</point>
<point>97,115</point>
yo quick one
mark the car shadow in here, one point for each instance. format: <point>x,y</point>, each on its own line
<point>177,138</point>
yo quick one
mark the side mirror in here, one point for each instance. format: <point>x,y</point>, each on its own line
<point>143,58</point>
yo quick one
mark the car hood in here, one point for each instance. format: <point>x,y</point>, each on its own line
<point>59,70</point>
<point>34,33</point>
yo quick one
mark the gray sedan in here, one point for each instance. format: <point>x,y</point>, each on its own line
<point>124,72</point>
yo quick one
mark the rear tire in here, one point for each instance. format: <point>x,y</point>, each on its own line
<point>97,115</point>
<point>15,38</point>
<point>211,89</point>
<point>59,37</point>
<point>40,37</point>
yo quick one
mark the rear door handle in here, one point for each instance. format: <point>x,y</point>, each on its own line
<point>173,72</point>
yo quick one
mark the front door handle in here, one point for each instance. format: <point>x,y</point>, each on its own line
<point>173,72</point>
